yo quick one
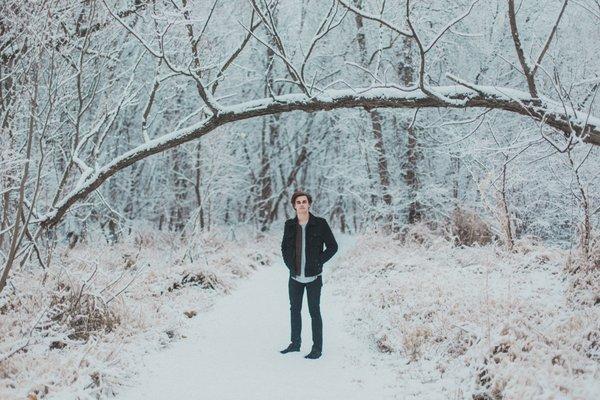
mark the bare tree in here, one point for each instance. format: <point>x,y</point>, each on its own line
<point>116,86</point>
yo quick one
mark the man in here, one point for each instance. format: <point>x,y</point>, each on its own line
<point>302,250</point>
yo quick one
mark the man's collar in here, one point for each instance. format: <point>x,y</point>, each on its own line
<point>311,219</point>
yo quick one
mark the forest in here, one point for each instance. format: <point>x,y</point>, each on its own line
<point>149,150</point>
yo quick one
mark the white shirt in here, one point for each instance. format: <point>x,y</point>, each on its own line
<point>302,278</point>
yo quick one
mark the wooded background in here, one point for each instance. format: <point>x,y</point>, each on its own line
<point>186,115</point>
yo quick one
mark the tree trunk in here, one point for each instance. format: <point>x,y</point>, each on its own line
<point>506,223</point>
<point>375,116</point>
<point>264,180</point>
<point>198,183</point>
<point>411,177</point>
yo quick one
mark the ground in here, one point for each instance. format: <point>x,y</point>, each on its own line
<point>403,317</point>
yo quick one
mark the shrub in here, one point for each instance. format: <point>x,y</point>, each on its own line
<point>469,228</point>
<point>83,313</point>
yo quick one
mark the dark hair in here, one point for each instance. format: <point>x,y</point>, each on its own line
<point>298,194</point>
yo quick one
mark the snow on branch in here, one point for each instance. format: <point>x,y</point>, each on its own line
<point>375,18</point>
<point>519,49</point>
<point>463,95</point>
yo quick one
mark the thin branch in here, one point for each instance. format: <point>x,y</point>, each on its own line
<point>235,54</point>
<point>375,18</point>
<point>281,53</point>
<point>322,31</point>
<point>547,45</point>
<point>450,25</point>
<point>519,48</point>
<point>422,85</point>
<point>291,69</point>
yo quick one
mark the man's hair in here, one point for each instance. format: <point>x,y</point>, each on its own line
<point>298,194</point>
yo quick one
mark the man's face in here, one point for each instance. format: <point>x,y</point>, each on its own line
<point>301,204</point>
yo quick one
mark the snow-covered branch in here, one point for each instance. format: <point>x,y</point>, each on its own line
<point>545,110</point>
<point>375,18</point>
<point>519,49</point>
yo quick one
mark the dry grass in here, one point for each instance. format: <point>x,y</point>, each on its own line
<point>426,234</point>
<point>469,228</point>
<point>583,275</point>
<point>79,331</point>
<point>81,313</point>
<point>491,322</point>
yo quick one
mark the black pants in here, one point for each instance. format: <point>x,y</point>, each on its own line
<point>313,294</point>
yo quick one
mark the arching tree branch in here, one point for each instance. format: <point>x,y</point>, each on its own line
<point>547,111</point>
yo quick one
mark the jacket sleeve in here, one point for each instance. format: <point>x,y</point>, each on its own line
<point>330,243</point>
<point>285,245</point>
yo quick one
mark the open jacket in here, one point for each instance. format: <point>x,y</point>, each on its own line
<point>318,233</point>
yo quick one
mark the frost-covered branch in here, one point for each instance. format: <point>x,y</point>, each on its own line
<point>449,26</point>
<point>547,45</point>
<point>326,26</point>
<point>541,109</point>
<point>236,53</point>
<point>375,18</point>
<point>206,96</point>
<point>519,48</point>
<point>423,51</point>
<point>279,49</point>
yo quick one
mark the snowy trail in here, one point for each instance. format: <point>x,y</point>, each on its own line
<point>232,351</point>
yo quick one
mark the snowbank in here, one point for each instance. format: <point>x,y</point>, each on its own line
<point>79,331</point>
<point>473,321</point>
<point>451,322</point>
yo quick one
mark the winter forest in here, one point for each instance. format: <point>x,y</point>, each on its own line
<point>149,150</point>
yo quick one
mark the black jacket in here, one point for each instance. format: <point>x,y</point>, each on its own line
<point>318,233</point>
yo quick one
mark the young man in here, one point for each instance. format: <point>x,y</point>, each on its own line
<point>302,250</point>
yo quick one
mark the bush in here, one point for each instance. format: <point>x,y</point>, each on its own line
<point>424,234</point>
<point>83,313</point>
<point>469,228</point>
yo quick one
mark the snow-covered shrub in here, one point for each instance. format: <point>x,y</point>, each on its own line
<point>81,312</point>
<point>79,328</point>
<point>485,321</point>
<point>594,253</point>
<point>426,234</point>
<point>582,270</point>
<point>469,228</point>
<point>527,244</point>
<point>201,277</point>
<point>583,288</point>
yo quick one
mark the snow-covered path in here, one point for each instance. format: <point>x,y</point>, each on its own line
<point>232,352</point>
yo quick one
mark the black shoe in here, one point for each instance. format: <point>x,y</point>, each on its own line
<point>291,347</point>
<point>313,355</point>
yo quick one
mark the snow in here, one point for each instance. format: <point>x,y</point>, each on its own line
<point>473,320</point>
<point>232,352</point>
<point>402,319</point>
<point>449,96</point>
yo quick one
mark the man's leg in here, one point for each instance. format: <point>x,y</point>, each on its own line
<point>296,292</point>
<point>313,294</point>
